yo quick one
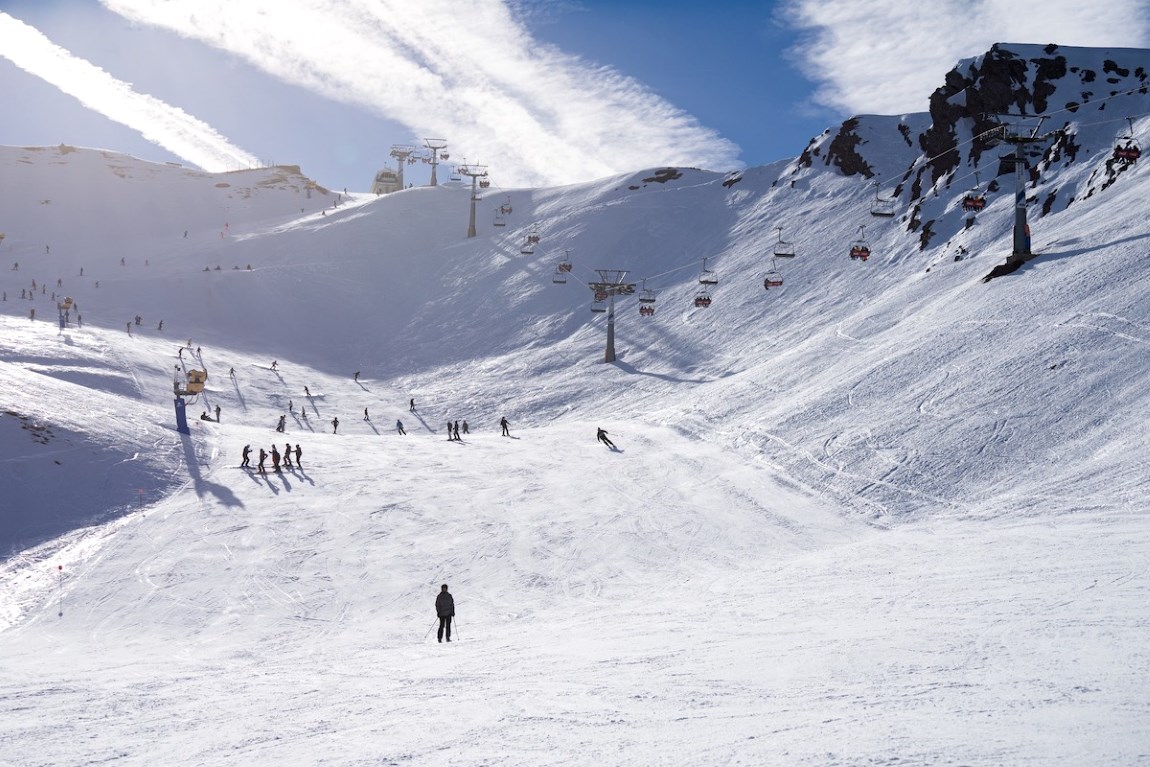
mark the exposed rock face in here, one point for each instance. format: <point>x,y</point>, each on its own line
<point>1082,95</point>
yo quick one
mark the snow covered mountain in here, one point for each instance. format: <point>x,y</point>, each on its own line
<point>888,509</point>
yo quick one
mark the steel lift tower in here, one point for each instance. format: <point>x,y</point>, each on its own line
<point>1021,251</point>
<point>612,282</point>
<point>403,156</point>
<point>435,149</point>
<point>475,172</point>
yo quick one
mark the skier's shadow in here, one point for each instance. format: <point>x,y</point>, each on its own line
<point>372,425</point>
<point>614,449</point>
<point>302,475</point>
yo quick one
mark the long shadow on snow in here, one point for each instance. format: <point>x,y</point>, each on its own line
<point>627,368</point>
<point>202,486</point>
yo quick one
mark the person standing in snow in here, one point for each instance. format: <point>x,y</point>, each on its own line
<point>298,454</point>
<point>449,435</point>
<point>217,413</point>
<point>412,405</point>
<point>306,391</point>
<point>335,426</point>
<point>445,609</point>
<point>276,460</point>
<point>465,430</point>
<point>602,437</point>
<point>365,415</point>
<point>282,424</point>
<point>247,457</point>
<point>357,376</point>
<point>287,455</point>
<point>504,423</point>
<point>399,426</point>
<point>457,437</point>
<point>263,457</point>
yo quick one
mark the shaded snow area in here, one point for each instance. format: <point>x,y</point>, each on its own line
<point>886,513</point>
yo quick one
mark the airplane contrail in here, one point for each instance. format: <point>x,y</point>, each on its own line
<point>157,121</point>
<point>469,72</point>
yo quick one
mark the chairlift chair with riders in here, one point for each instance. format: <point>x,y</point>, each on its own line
<point>559,277</point>
<point>783,249</point>
<point>774,279</point>
<point>505,206</point>
<point>599,303</point>
<point>1128,150</point>
<point>702,299</point>
<point>974,200</point>
<point>882,207</point>
<point>565,264</point>
<point>646,301</point>
<point>860,249</point>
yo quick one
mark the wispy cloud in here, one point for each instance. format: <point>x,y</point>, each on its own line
<point>161,123</point>
<point>888,56</point>
<point>468,72</point>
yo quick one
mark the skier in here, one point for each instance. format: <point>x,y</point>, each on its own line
<point>465,430</point>
<point>457,437</point>
<point>504,423</point>
<point>335,426</point>
<point>412,407</point>
<point>204,416</point>
<point>276,460</point>
<point>232,373</point>
<point>602,437</point>
<point>365,415</point>
<point>357,376</point>
<point>160,326</point>
<point>399,426</point>
<point>445,609</point>
<point>287,455</point>
<point>306,391</point>
<point>291,406</point>
<point>217,413</point>
<point>282,423</point>
<point>263,457</point>
<point>247,457</point>
<point>298,453</point>
<point>449,435</point>
<point>274,363</point>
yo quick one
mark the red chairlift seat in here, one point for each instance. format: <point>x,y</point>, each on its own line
<point>860,252</point>
<point>772,280</point>
<point>646,310</point>
<point>973,202</point>
<point>565,266</point>
<point>702,299</point>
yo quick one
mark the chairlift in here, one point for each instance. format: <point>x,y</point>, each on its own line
<point>774,279</point>
<point>196,379</point>
<point>860,250</point>
<point>560,277</point>
<point>444,156</point>
<point>783,249</point>
<point>527,248</point>
<point>484,183</point>
<point>708,277</point>
<point>974,200</point>
<point>455,174</point>
<point>500,220</point>
<point>646,301</point>
<point>505,207</point>
<point>1128,150</point>
<point>882,207</point>
<point>599,304</point>
<point>702,299</point>
<point>565,264</point>
<point>66,304</point>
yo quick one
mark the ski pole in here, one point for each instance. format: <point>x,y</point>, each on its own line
<point>425,636</point>
<point>456,627</point>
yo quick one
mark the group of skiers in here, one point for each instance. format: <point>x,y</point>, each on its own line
<point>277,458</point>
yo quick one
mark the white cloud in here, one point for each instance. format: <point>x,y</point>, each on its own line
<point>161,123</point>
<point>468,72</point>
<point>888,56</point>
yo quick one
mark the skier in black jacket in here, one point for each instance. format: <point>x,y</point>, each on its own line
<point>445,609</point>
<point>602,437</point>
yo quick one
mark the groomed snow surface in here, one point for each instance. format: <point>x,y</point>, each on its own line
<point>878,516</point>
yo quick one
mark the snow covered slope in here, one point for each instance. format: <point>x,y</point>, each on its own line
<point>888,509</point>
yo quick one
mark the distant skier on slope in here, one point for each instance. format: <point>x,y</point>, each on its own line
<point>247,457</point>
<point>335,426</point>
<point>298,456</point>
<point>263,457</point>
<point>505,424</point>
<point>445,609</point>
<point>276,460</point>
<point>602,437</point>
<point>399,426</point>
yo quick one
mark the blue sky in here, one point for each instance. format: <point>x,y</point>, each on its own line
<point>540,91</point>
